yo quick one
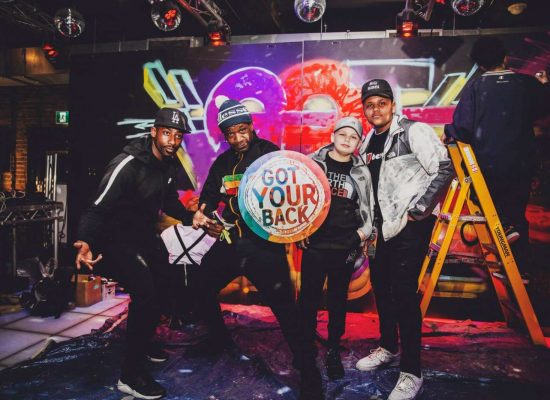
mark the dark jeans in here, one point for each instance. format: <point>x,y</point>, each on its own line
<point>265,265</point>
<point>394,276</point>
<point>176,284</point>
<point>318,265</point>
<point>510,196</point>
<point>136,271</point>
<point>185,291</point>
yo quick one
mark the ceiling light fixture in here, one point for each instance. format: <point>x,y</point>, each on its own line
<point>218,33</point>
<point>465,8</point>
<point>165,15</point>
<point>517,8</point>
<point>310,10</point>
<point>69,22</point>
<point>406,23</point>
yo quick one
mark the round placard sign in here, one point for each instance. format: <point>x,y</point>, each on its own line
<point>284,196</point>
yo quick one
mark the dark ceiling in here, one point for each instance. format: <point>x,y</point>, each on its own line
<point>124,20</point>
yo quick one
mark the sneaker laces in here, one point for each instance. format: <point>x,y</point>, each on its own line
<point>406,384</point>
<point>378,353</point>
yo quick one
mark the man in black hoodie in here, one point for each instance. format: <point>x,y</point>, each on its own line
<point>121,221</point>
<point>495,114</point>
<point>245,253</point>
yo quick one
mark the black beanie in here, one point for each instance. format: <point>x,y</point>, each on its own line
<point>231,113</point>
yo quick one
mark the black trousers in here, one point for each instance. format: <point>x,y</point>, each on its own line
<point>179,298</point>
<point>318,265</point>
<point>510,195</point>
<point>137,271</point>
<point>265,265</point>
<point>394,277</point>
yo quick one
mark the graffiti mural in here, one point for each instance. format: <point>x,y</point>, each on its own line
<point>295,91</point>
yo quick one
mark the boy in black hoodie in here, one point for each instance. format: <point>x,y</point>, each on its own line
<point>121,221</point>
<point>245,253</point>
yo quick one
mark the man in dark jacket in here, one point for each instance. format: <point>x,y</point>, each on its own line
<point>495,115</point>
<point>245,253</point>
<point>121,221</point>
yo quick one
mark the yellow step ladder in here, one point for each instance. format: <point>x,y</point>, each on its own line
<point>490,233</point>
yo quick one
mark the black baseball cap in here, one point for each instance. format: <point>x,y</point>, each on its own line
<point>172,118</point>
<point>376,87</point>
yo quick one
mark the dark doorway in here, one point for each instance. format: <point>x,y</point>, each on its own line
<point>41,141</point>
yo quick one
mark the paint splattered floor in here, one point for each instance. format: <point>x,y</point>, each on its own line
<point>462,360</point>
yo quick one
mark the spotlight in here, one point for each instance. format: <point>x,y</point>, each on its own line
<point>517,8</point>
<point>51,52</point>
<point>218,33</point>
<point>165,15</point>
<point>406,23</point>
<point>466,8</point>
<point>69,22</point>
<point>310,10</point>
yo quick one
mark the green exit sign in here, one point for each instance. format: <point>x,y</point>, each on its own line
<point>62,117</point>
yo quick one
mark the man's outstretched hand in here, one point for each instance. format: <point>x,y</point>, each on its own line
<point>85,255</point>
<point>200,220</point>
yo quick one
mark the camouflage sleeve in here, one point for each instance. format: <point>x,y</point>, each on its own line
<point>432,154</point>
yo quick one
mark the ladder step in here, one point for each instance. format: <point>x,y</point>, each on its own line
<point>461,257</point>
<point>470,260</point>
<point>435,247</point>
<point>466,218</point>
<point>501,275</point>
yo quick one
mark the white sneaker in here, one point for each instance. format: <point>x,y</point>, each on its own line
<point>408,387</point>
<point>379,357</point>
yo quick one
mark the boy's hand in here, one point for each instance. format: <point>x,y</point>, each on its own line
<point>303,244</point>
<point>361,235</point>
<point>542,76</point>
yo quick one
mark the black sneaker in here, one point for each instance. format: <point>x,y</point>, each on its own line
<point>333,362</point>
<point>157,354</point>
<point>512,235</point>
<point>141,386</point>
<point>311,384</point>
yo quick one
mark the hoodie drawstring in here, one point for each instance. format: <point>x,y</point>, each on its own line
<point>231,198</point>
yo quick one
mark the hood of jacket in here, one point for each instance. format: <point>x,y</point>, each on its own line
<point>395,128</point>
<point>142,150</point>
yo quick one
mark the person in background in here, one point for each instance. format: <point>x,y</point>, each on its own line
<point>495,114</point>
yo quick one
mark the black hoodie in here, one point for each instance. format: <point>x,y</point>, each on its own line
<point>227,164</point>
<point>129,198</point>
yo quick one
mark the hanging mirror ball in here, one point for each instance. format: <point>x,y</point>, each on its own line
<point>466,8</point>
<point>69,22</point>
<point>309,10</point>
<point>166,15</point>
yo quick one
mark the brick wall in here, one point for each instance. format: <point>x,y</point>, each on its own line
<point>22,108</point>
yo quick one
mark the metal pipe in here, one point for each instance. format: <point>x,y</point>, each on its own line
<point>193,12</point>
<point>212,11</point>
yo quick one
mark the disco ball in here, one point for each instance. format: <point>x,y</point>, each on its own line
<point>69,22</point>
<point>466,8</point>
<point>310,10</point>
<point>166,15</point>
